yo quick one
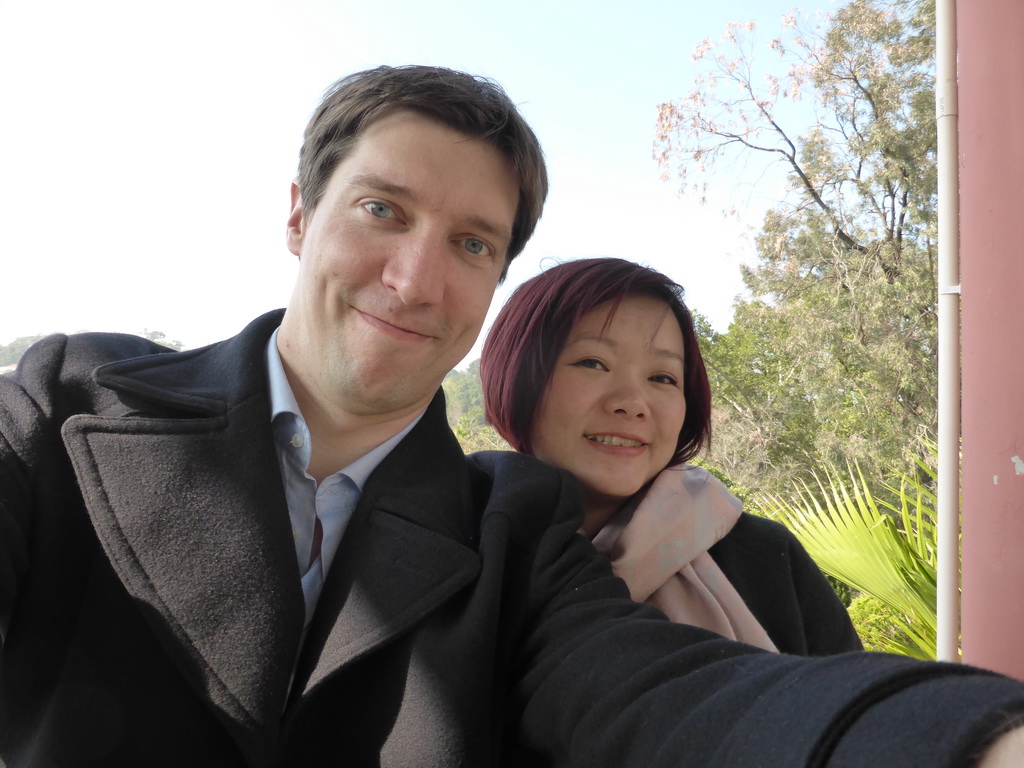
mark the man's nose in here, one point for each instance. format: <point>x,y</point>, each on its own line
<point>418,271</point>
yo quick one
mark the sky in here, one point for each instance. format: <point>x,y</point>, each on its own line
<point>146,149</point>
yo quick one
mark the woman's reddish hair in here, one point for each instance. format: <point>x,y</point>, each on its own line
<point>525,340</point>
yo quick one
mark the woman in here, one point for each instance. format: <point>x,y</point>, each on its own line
<point>593,366</point>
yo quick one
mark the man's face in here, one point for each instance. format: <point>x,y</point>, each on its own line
<point>397,266</point>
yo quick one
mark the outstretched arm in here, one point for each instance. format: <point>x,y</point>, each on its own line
<point>603,681</point>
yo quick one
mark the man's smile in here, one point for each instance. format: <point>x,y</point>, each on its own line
<point>404,332</point>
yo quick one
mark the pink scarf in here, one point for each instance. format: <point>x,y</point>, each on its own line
<point>659,547</point>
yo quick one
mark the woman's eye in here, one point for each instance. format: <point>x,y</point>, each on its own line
<point>380,210</point>
<point>590,362</point>
<point>476,246</point>
<point>664,378</point>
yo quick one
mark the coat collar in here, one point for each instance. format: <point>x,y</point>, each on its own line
<point>208,380</point>
<point>186,498</point>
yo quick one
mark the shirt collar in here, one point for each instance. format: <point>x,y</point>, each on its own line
<point>282,399</point>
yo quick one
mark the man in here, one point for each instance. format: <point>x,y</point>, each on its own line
<point>271,551</point>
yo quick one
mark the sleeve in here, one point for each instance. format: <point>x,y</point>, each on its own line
<point>604,681</point>
<point>13,523</point>
<point>23,433</point>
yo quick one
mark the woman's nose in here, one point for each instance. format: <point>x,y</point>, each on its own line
<point>627,400</point>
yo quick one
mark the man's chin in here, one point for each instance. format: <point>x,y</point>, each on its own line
<point>388,396</point>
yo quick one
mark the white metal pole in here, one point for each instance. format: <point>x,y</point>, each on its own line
<point>948,608</point>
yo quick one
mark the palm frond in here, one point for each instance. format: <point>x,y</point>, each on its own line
<point>881,547</point>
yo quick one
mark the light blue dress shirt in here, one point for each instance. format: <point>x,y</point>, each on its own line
<point>334,500</point>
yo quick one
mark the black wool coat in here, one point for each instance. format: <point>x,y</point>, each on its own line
<point>151,613</point>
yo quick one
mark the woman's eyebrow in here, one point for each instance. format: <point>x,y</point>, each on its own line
<point>658,351</point>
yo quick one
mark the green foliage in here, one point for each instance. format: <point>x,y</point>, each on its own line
<point>479,437</point>
<point>833,353</point>
<point>882,544</point>
<point>464,394</point>
<point>878,624</point>
<point>763,421</point>
<point>11,353</point>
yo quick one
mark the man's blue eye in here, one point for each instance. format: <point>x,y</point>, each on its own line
<point>475,246</point>
<point>379,210</point>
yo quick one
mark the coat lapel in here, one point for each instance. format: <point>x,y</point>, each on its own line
<point>186,497</point>
<point>183,488</point>
<point>409,548</point>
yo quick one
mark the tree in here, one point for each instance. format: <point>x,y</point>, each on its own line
<point>465,397</point>
<point>11,353</point>
<point>763,424</point>
<point>161,338</point>
<point>834,352</point>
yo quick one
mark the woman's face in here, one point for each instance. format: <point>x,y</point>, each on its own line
<point>615,404</point>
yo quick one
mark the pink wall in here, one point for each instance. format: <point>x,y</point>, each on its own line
<point>991,106</point>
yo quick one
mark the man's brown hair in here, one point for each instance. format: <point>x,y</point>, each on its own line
<point>474,106</point>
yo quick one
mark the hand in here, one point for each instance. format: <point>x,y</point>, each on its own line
<point>683,513</point>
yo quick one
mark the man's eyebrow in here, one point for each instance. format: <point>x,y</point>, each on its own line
<point>375,183</point>
<point>504,234</point>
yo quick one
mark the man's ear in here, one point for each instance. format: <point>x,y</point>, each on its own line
<point>296,226</point>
